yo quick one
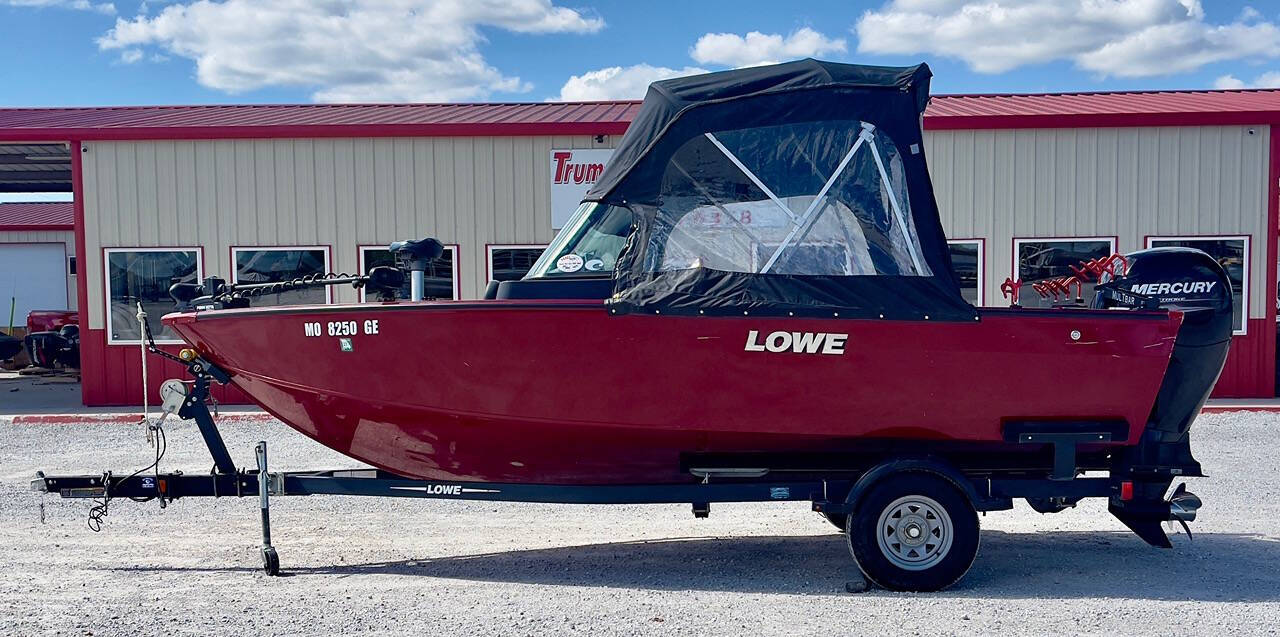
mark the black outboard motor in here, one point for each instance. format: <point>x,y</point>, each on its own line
<point>1191,282</point>
<point>49,348</point>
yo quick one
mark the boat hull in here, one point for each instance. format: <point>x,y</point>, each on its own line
<point>565,393</point>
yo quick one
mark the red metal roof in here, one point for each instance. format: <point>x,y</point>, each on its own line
<point>315,120</point>
<point>1052,110</point>
<point>37,216</point>
<point>1067,110</point>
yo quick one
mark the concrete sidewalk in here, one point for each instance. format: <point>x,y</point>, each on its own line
<point>55,398</point>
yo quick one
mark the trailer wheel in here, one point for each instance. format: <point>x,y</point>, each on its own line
<point>270,561</point>
<point>914,532</point>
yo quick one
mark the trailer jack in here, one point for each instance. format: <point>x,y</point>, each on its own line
<point>270,559</point>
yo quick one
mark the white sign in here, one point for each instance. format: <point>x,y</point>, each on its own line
<point>573,172</point>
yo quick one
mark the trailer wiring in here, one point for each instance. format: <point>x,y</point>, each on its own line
<point>101,506</point>
<point>155,434</point>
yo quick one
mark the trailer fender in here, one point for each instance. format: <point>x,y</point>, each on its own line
<point>886,470</point>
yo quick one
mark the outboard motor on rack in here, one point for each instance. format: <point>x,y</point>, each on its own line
<point>1191,282</point>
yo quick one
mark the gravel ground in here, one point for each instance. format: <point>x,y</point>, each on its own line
<point>373,565</point>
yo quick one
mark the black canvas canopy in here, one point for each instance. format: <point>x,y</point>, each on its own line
<point>798,188</point>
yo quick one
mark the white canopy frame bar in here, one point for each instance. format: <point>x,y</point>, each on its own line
<point>897,210</point>
<point>752,176</point>
<point>805,219</point>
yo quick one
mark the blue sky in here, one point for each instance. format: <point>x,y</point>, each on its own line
<point>89,52</point>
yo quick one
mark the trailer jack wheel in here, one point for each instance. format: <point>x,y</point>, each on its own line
<point>914,532</point>
<point>270,561</point>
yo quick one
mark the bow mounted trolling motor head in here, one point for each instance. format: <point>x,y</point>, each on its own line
<point>385,281</point>
<point>192,296</point>
<point>417,255</point>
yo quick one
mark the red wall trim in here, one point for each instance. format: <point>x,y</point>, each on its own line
<point>315,130</point>
<point>88,360</point>
<point>106,285</point>
<point>982,264</point>
<point>1099,120</point>
<point>936,122</point>
<point>35,227</point>
<point>1273,229</point>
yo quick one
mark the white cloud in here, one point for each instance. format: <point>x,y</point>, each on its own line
<point>1125,38</point>
<point>105,8</point>
<point>345,50</point>
<point>755,48</point>
<point>129,56</point>
<point>720,49</point>
<point>1270,79</point>
<point>618,83</point>
<point>1229,82</point>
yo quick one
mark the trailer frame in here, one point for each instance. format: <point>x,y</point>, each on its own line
<point>833,494</point>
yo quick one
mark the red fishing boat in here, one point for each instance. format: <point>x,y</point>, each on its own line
<point>758,289</point>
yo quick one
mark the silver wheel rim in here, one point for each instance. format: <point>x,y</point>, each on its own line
<point>914,533</point>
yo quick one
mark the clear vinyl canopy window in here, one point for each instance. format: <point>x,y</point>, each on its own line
<point>824,198</point>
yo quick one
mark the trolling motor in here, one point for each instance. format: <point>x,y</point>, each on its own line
<point>418,255</point>
<point>216,293</point>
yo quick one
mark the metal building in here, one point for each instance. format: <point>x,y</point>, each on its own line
<point>37,258</point>
<point>1026,185</point>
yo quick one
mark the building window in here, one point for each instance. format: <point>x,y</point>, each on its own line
<point>272,265</point>
<point>512,262</point>
<point>71,265</point>
<point>968,264</point>
<point>1232,253</point>
<point>145,274</point>
<point>442,280</point>
<point>1037,260</point>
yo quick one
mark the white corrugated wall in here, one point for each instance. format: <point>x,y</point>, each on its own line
<point>339,193</point>
<point>1125,182</point>
<point>992,184</point>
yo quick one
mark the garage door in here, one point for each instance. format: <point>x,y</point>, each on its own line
<point>35,275</point>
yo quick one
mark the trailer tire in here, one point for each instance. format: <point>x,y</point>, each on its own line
<point>913,532</point>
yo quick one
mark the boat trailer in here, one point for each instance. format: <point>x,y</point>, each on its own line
<point>833,495</point>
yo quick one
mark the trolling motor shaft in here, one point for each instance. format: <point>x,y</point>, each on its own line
<point>417,255</point>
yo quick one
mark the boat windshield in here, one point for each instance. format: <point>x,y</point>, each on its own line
<point>825,198</point>
<point>588,245</point>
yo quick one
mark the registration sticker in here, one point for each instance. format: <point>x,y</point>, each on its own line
<point>345,344</point>
<point>569,263</point>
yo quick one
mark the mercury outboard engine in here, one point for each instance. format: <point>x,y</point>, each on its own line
<point>1191,282</point>
<point>49,348</point>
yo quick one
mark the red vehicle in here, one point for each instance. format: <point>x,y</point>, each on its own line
<point>51,320</point>
<point>757,292</point>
